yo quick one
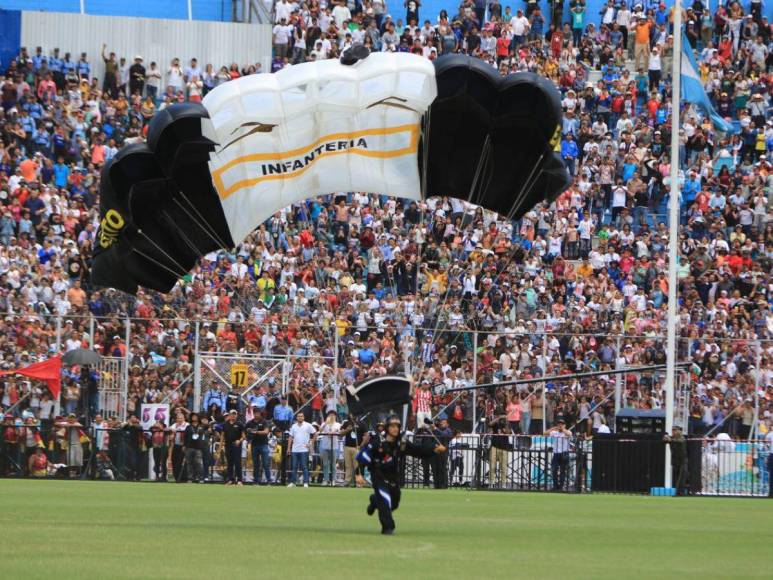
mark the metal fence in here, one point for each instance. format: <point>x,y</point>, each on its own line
<point>711,467</point>
<point>203,360</point>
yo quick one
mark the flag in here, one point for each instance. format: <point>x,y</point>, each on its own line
<point>49,371</point>
<point>693,91</point>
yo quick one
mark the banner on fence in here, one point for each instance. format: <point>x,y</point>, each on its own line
<point>734,468</point>
<point>154,412</point>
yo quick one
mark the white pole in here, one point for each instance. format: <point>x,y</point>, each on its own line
<point>336,345</point>
<point>190,9</point>
<point>196,369</point>
<point>673,232</point>
<point>618,382</point>
<point>754,433</point>
<point>83,6</point>
<point>58,346</point>
<point>475,381</point>
<point>544,385</point>
<point>125,387</point>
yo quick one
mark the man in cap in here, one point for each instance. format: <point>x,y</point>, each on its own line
<point>382,458</point>
<point>233,435</point>
<point>258,431</point>
<point>678,445</point>
<point>559,463</point>
<point>283,414</point>
<point>136,76</point>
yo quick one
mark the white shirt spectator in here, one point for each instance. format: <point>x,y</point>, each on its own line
<point>341,14</point>
<point>301,434</point>
<point>519,25</point>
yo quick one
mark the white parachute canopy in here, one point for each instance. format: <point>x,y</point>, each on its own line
<point>317,128</point>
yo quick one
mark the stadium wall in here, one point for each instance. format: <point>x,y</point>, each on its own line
<point>10,36</point>
<point>154,39</point>
<point>217,10</point>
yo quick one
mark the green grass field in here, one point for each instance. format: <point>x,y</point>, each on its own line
<point>72,529</point>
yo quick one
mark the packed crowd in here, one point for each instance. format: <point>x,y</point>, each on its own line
<point>391,286</point>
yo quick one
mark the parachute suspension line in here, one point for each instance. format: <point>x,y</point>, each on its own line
<point>528,184</point>
<point>425,152</point>
<point>424,169</point>
<point>157,263</point>
<point>482,162</point>
<point>473,197</point>
<point>439,310</point>
<point>170,258</point>
<point>202,224</point>
<point>182,234</point>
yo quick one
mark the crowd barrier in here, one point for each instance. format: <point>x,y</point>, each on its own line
<point>712,466</point>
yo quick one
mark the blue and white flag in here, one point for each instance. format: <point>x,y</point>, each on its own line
<point>693,91</point>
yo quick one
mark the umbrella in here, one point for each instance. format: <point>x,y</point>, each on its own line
<point>81,356</point>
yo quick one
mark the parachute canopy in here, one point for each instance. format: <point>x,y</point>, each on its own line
<point>492,137</point>
<point>377,394</point>
<point>390,123</point>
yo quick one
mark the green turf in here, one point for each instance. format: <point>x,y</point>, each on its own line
<point>82,530</point>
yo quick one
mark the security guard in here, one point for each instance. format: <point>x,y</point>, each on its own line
<point>678,446</point>
<point>382,457</point>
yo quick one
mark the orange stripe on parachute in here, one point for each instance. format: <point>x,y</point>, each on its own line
<point>224,192</point>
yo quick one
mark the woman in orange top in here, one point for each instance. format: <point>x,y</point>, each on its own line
<point>514,412</point>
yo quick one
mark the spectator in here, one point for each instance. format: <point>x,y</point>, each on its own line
<point>258,431</point>
<point>195,439</point>
<point>301,441</point>
<point>415,279</point>
<point>232,437</point>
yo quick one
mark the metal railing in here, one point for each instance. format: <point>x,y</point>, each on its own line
<point>710,467</point>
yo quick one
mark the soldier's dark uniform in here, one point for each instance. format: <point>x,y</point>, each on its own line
<point>382,458</point>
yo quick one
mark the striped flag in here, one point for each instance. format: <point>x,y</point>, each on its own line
<point>693,91</point>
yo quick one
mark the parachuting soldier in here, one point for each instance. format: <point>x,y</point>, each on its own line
<point>382,457</point>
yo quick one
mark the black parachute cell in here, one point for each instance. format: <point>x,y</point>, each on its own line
<point>378,393</point>
<point>159,209</point>
<point>552,180</point>
<point>491,138</point>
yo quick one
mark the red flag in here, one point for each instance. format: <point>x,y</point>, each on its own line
<point>49,371</point>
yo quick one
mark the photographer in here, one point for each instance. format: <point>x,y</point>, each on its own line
<point>158,442</point>
<point>177,430</point>
<point>456,454</point>
<point>352,434</point>
<point>444,434</point>
<point>499,453</point>
<point>105,469</point>
<point>257,431</point>
<point>195,440</point>
<point>559,463</point>
<point>134,438</point>
<point>423,439</point>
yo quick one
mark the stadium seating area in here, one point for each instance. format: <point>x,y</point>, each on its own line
<point>390,286</point>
